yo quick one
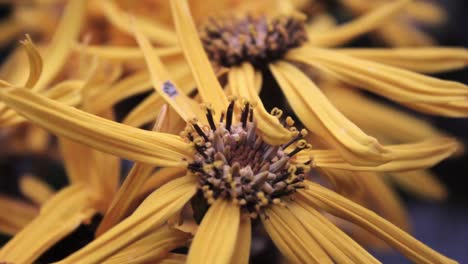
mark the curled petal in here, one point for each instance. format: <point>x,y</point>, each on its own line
<point>423,93</point>
<point>403,157</point>
<point>321,117</point>
<point>242,84</point>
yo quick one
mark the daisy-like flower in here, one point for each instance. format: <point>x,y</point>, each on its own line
<point>227,160</point>
<point>417,14</point>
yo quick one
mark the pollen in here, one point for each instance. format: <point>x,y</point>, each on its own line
<point>234,163</point>
<point>255,39</point>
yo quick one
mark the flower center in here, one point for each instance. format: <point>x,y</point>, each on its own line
<point>234,163</point>
<point>258,40</point>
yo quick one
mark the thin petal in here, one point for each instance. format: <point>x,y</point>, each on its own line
<point>35,62</point>
<point>291,238</point>
<point>336,243</point>
<point>62,42</point>
<point>153,212</point>
<point>35,189</point>
<point>364,24</point>
<point>391,33</point>
<point>405,127</point>
<point>160,79</point>
<point>19,215</point>
<point>242,84</point>
<point>207,83</point>
<point>425,60</point>
<point>421,183</point>
<point>244,238</point>
<point>122,52</point>
<point>322,118</point>
<point>124,202</point>
<point>215,240</point>
<point>58,217</point>
<point>153,247</point>
<point>325,199</point>
<point>403,157</point>
<point>158,33</point>
<point>174,258</point>
<point>158,179</point>
<point>99,133</point>
<point>423,93</point>
<point>380,197</point>
<point>426,12</point>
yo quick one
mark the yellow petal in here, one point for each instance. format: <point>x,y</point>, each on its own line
<point>99,133</point>
<point>207,83</point>
<point>423,93</point>
<point>35,62</point>
<point>333,203</point>
<point>341,34</point>
<point>215,240</point>
<point>158,33</point>
<point>403,157</point>
<point>392,31</point>
<point>144,112</point>
<point>334,241</point>
<point>159,178</point>
<point>405,127</point>
<point>160,79</point>
<point>9,28</point>
<point>291,238</point>
<point>379,197</point>
<point>421,183</point>
<point>242,251</point>
<point>35,189</point>
<point>426,12</point>
<point>322,118</point>
<point>62,42</point>
<point>19,215</point>
<point>242,84</point>
<point>153,212</point>
<point>152,247</point>
<point>123,52</point>
<point>124,202</point>
<point>62,214</point>
<point>425,60</point>
<point>173,258</point>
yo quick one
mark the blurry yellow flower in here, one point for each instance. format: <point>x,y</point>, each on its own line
<point>240,170</point>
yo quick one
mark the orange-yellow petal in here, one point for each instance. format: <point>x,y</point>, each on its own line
<point>19,215</point>
<point>35,189</point>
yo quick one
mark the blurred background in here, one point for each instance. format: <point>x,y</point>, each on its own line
<point>441,225</point>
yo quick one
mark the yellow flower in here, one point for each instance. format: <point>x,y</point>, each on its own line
<point>420,11</point>
<point>236,167</point>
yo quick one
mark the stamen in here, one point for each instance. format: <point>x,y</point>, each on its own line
<point>236,164</point>
<point>255,39</point>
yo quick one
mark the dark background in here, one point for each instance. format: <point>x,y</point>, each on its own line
<point>443,226</point>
